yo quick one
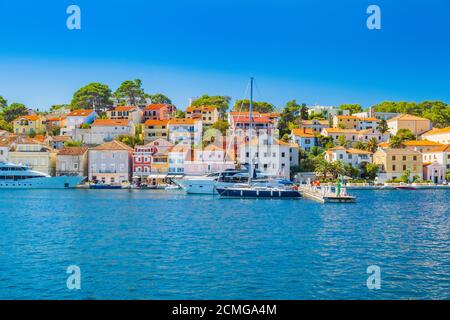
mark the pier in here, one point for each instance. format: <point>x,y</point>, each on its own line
<point>325,194</point>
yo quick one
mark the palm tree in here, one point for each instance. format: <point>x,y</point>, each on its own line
<point>372,145</point>
<point>360,145</point>
<point>396,142</point>
<point>383,126</point>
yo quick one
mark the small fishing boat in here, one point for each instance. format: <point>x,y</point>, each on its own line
<point>406,187</point>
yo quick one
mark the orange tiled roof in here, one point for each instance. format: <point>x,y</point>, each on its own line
<point>347,117</point>
<point>369,119</point>
<point>201,108</point>
<point>110,122</point>
<point>339,130</point>
<point>425,143</point>
<point>72,151</point>
<point>156,106</point>
<point>357,151</point>
<point>156,122</point>
<point>124,108</point>
<point>181,121</point>
<point>113,145</point>
<point>437,131</point>
<point>407,117</point>
<point>40,138</point>
<point>442,148</point>
<point>29,118</point>
<point>80,113</point>
<point>303,132</point>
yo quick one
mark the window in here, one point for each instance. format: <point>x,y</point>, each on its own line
<point>404,158</point>
<point>404,167</point>
<point>282,154</point>
<point>393,167</point>
<point>415,158</point>
<point>393,159</point>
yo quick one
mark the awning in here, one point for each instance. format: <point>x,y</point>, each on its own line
<point>156,176</point>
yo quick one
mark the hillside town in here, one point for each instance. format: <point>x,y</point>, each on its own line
<point>152,143</point>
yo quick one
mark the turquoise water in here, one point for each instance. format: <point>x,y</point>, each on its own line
<point>165,245</point>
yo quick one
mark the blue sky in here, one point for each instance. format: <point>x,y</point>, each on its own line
<point>312,51</point>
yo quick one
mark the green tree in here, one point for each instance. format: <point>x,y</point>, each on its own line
<point>341,141</point>
<point>396,142</point>
<point>351,171</point>
<point>221,102</point>
<point>130,92</point>
<point>371,170</point>
<point>437,112</point>
<point>72,143</point>
<point>3,102</point>
<point>325,142</point>
<point>130,141</point>
<point>7,126</point>
<point>383,126</point>
<point>406,135</point>
<point>179,114</point>
<point>372,145</point>
<point>244,105</point>
<point>290,113</point>
<point>56,131</point>
<point>352,108</point>
<point>447,175</point>
<point>85,126</point>
<point>360,146</point>
<point>57,107</point>
<point>222,126</point>
<point>13,111</point>
<point>159,98</point>
<point>92,96</point>
<point>405,176</point>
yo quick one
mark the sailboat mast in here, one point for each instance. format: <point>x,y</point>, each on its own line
<point>250,168</point>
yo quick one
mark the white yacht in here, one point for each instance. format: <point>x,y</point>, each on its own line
<point>207,184</point>
<point>13,176</point>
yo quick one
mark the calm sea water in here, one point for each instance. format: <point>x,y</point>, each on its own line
<point>166,245</point>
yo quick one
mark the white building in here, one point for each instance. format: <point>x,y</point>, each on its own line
<point>72,161</point>
<point>272,156</point>
<point>435,172</point>
<point>208,160</point>
<point>177,157</point>
<point>77,118</point>
<point>355,157</point>
<point>440,155</point>
<point>110,162</point>
<point>188,131</point>
<point>327,111</point>
<point>6,142</point>
<point>103,130</point>
<point>438,135</point>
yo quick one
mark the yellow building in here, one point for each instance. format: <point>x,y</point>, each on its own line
<point>393,162</point>
<point>29,124</point>
<point>346,122</point>
<point>208,114</point>
<point>156,129</point>
<point>417,125</point>
<point>34,154</point>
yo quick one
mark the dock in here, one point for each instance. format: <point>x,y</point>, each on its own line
<point>324,195</point>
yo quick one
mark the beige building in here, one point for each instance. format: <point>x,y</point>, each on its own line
<point>208,114</point>
<point>72,161</point>
<point>130,113</point>
<point>314,125</point>
<point>393,162</point>
<point>110,162</point>
<point>33,154</point>
<point>438,135</point>
<point>417,125</point>
<point>156,129</point>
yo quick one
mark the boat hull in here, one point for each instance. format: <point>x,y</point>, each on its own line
<point>263,194</point>
<point>61,182</point>
<point>102,187</point>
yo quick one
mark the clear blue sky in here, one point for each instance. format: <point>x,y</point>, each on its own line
<point>313,51</point>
